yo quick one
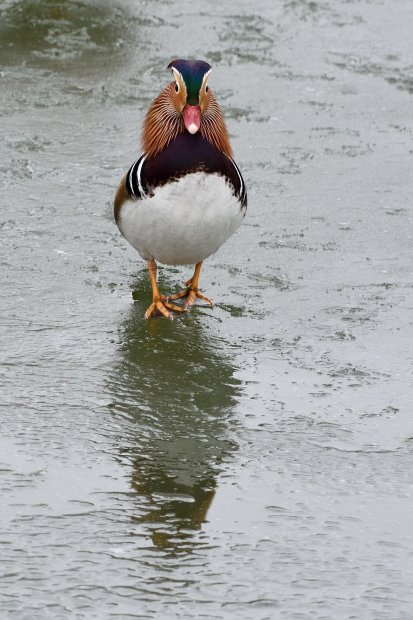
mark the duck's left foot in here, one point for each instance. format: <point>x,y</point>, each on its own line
<point>192,294</point>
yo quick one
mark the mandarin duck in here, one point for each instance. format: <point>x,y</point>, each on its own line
<point>184,196</point>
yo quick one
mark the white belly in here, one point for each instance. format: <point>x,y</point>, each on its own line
<point>184,222</point>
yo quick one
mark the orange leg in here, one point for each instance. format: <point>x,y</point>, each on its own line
<point>159,302</point>
<point>192,291</point>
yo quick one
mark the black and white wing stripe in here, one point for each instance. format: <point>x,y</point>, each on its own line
<point>242,189</point>
<point>134,185</point>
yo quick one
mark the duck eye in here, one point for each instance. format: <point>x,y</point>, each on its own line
<point>176,88</point>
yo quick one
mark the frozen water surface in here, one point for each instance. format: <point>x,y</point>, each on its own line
<point>253,461</point>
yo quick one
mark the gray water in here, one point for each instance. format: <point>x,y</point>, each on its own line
<point>250,461</point>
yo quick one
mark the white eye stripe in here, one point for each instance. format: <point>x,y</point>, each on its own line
<point>204,81</point>
<point>177,74</point>
<point>180,83</point>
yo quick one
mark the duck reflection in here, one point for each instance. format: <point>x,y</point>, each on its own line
<point>177,386</point>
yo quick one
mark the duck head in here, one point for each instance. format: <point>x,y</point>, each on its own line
<point>185,105</point>
<point>191,96</point>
